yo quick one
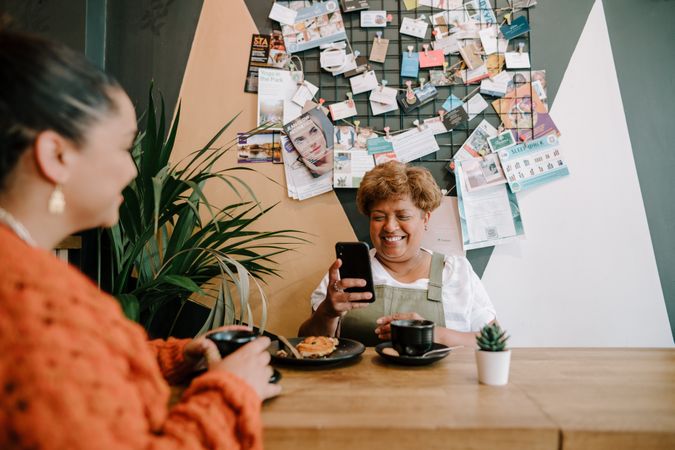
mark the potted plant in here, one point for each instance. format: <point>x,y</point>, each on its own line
<point>172,243</point>
<point>492,357</point>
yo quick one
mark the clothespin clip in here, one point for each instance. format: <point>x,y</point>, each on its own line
<point>383,83</point>
<point>426,49</point>
<point>379,36</point>
<point>452,165</point>
<point>409,94</point>
<point>417,123</point>
<point>410,49</point>
<point>507,19</point>
<point>521,47</point>
<point>445,66</point>
<point>350,101</point>
<point>500,128</point>
<point>441,112</point>
<point>422,17</point>
<point>321,102</point>
<point>386,133</point>
<point>356,54</point>
<point>422,81</point>
<point>356,126</point>
<point>433,33</point>
<point>390,17</point>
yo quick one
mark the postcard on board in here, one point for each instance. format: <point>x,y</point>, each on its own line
<point>316,25</point>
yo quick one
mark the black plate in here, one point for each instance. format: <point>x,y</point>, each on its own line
<point>347,349</point>
<point>411,360</point>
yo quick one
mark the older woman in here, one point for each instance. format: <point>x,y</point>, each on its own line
<point>74,372</point>
<point>410,282</point>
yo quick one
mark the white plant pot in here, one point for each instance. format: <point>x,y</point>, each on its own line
<point>493,367</point>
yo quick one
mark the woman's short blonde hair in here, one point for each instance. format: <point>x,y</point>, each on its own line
<point>394,180</point>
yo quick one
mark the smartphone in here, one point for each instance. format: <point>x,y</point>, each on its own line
<point>356,264</point>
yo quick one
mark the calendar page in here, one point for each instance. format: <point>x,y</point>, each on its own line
<point>533,163</point>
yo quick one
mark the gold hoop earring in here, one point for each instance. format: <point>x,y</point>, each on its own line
<point>57,201</point>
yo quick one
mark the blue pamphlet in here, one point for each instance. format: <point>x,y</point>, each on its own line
<point>410,64</point>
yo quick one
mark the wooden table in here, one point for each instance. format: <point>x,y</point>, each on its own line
<point>603,398</point>
<point>556,398</point>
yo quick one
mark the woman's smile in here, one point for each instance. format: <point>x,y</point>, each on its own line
<point>392,239</point>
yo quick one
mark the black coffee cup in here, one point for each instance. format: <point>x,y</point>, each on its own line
<point>231,340</point>
<point>412,337</point>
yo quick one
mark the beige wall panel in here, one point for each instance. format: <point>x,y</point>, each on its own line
<point>211,94</point>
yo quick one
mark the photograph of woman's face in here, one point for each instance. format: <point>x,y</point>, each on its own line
<point>310,142</point>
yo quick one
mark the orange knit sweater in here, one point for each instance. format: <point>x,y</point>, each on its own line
<point>75,374</point>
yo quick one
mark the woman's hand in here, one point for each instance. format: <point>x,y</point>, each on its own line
<point>250,363</point>
<point>383,329</point>
<point>338,302</point>
<point>195,351</point>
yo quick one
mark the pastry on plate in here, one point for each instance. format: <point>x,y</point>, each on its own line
<point>317,346</point>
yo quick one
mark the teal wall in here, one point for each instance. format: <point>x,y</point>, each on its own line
<point>642,36</point>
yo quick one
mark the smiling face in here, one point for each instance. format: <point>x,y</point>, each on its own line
<point>396,228</point>
<point>103,168</point>
<point>310,142</point>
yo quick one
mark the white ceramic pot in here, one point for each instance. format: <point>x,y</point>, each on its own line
<point>493,367</point>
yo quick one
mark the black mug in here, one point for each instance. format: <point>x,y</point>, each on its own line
<point>412,337</point>
<point>229,341</point>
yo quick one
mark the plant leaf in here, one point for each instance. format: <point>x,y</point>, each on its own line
<point>130,306</point>
<point>182,281</point>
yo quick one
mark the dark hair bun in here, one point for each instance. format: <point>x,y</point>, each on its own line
<point>46,86</point>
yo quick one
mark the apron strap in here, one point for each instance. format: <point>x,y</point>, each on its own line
<point>435,289</point>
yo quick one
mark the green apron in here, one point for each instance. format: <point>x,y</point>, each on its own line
<point>359,324</point>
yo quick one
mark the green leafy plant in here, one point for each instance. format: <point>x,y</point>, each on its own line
<point>165,251</point>
<point>492,338</point>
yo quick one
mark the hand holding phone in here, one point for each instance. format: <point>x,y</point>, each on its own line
<point>355,259</point>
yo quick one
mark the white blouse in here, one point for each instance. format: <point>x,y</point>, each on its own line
<point>466,304</point>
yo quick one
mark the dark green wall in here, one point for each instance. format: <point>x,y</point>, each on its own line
<point>61,21</point>
<point>642,36</point>
<point>150,40</point>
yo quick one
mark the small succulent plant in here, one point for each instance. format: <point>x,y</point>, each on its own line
<point>492,338</point>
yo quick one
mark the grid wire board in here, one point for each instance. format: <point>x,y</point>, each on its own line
<point>335,88</point>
